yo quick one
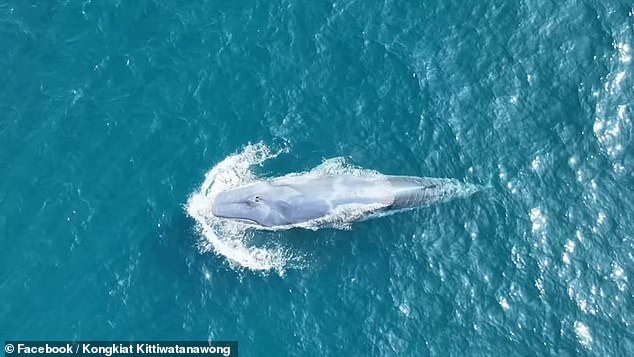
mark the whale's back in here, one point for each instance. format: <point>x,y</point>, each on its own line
<point>334,191</point>
<point>297,199</point>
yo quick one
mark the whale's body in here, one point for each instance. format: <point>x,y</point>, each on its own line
<point>300,199</point>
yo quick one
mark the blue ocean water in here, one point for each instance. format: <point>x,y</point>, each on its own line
<point>114,114</point>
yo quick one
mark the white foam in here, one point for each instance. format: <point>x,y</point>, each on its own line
<point>232,240</point>
<point>227,238</point>
<point>538,220</point>
<point>625,55</point>
<point>583,334</point>
<point>504,303</point>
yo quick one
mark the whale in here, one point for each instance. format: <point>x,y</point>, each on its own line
<point>309,200</point>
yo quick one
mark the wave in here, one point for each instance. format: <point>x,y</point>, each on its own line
<point>227,238</point>
<point>612,124</point>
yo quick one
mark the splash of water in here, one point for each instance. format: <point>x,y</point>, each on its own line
<point>231,239</point>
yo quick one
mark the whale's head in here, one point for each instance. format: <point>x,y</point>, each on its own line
<point>296,200</point>
<point>252,204</point>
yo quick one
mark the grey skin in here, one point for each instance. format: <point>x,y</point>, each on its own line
<point>294,200</point>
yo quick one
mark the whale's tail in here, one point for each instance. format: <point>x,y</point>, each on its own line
<point>410,191</point>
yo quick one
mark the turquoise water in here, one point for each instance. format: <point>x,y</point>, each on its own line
<point>112,113</point>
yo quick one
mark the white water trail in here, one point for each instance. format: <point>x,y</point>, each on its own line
<point>232,240</point>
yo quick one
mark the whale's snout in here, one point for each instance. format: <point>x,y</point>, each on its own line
<point>240,204</point>
<point>223,206</point>
<point>214,208</point>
